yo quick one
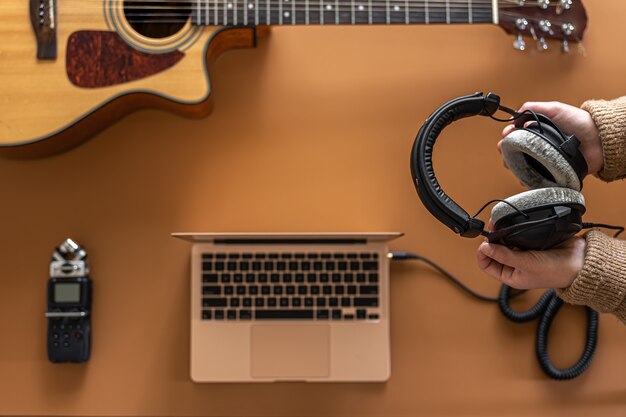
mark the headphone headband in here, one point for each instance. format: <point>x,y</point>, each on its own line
<point>430,192</point>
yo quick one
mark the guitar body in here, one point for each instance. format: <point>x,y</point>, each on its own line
<point>104,69</point>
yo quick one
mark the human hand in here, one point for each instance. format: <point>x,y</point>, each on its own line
<point>553,268</point>
<point>572,121</point>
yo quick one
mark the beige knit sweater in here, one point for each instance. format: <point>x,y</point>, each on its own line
<point>601,284</point>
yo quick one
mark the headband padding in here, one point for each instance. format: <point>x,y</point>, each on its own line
<point>536,198</point>
<point>522,142</point>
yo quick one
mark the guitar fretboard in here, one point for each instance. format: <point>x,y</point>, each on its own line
<point>340,12</point>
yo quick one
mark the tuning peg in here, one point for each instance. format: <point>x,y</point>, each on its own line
<point>542,44</point>
<point>519,43</point>
<point>565,46</point>
<point>543,3</point>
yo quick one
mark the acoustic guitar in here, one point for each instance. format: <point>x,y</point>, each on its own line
<point>107,58</point>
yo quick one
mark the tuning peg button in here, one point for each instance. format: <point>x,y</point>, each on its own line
<point>519,43</point>
<point>565,46</point>
<point>542,44</point>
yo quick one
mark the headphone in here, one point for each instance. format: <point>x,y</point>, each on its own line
<point>538,153</point>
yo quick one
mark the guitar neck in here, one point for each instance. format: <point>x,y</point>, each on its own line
<point>342,12</point>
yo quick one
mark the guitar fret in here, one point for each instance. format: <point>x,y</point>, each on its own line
<point>314,12</point>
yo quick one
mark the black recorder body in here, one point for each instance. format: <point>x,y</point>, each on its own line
<point>69,305</point>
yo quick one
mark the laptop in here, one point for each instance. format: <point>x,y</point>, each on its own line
<point>289,307</point>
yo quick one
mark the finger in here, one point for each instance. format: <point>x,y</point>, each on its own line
<point>507,129</point>
<point>494,269</point>
<point>503,255</point>
<point>543,107</point>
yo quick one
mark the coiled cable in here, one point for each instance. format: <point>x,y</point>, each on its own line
<point>545,309</point>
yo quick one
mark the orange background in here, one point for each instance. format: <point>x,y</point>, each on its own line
<point>311,131</point>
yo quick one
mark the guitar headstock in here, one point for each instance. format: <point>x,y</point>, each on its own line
<point>564,20</point>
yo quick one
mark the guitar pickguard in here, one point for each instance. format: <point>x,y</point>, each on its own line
<point>97,59</point>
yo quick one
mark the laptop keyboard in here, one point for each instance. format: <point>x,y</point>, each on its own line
<point>290,286</point>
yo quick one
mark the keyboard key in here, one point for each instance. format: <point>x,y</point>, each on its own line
<point>219,314</point>
<point>229,290</point>
<point>244,265</point>
<point>211,290</point>
<point>320,302</point>
<point>368,289</point>
<point>342,265</point>
<point>238,278</point>
<point>373,317</point>
<point>351,256</point>
<point>231,314</point>
<point>253,289</point>
<point>250,278</point>
<point>372,277</point>
<point>351,289</point>
<point>214,302</point>
<point>278,290</point>
<point>266,289</point>
<point>271,302</point>
<point>220,256</point>
<point>308,302</point>
<point>283,314</point>
<point>345,301</point>
<point>207,256</point>
<point>273,256</point>
<point>361,314</point>
<point>360,278</point>
<point>207,266</point>
<point>348,316</point>
<point>209,278</point>
<point>312,255</point>
<point>259,256</point>
<point>299,277</point>
<point>287,278</point>
<point>275,278</point>
<point>206,315</point>
<point>284,302</point>
<point>296,302</point>
<point>370,265</point>
<point>259,302</point>
<point>219,266</point>
<point>314,289</point>
<point>293,266</point>
<point>231,266</point>
<point>241,290</point>
<point>234,302</point>
<point>365,302</point>
<point>290,290</point>
<point>318,266</point>
<point>247,256</point>
<point>339,290</point>
<point>323,314</point>
<point>305,266</point>
<point>364,255</point>
<point>325,256</point>
<point>336,277</point>
<point>256,266</point>
<point>303,290</point>
<point>323,277</point>
<point>225,278</point>
<point>299,255</point>
<point>348,278</point>
<point>268,266</point>
<point>333,302</point>
<point>330,265</point>
<point>336,314</point>
<point>311,278</point>
<point>245,315</point>
<point>262,278</point>
<point>247,302</point>
<point>355,265</point>
<point>285,255</point>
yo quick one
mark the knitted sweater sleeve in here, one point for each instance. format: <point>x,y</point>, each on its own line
<point>601,284</point>
<point>610,118</point>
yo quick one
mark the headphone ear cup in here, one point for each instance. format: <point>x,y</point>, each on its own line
<point>549,216</point>
<point>535,161</point>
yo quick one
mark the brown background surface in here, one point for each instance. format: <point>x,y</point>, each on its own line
<point>311,132</point>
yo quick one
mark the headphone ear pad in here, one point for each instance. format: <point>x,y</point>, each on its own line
<point>550,216</point>
<point>536,162</point>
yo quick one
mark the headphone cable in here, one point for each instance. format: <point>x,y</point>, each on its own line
<point>545,309</point>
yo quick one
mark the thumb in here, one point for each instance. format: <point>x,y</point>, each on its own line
<point>505,256</point>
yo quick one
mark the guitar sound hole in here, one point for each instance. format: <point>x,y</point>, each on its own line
<point>157,19</point>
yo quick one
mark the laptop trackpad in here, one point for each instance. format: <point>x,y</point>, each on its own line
<point>290,351</point>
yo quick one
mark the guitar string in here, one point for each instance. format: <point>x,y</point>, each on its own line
<point>315,7</point>
<point>487,6</point>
